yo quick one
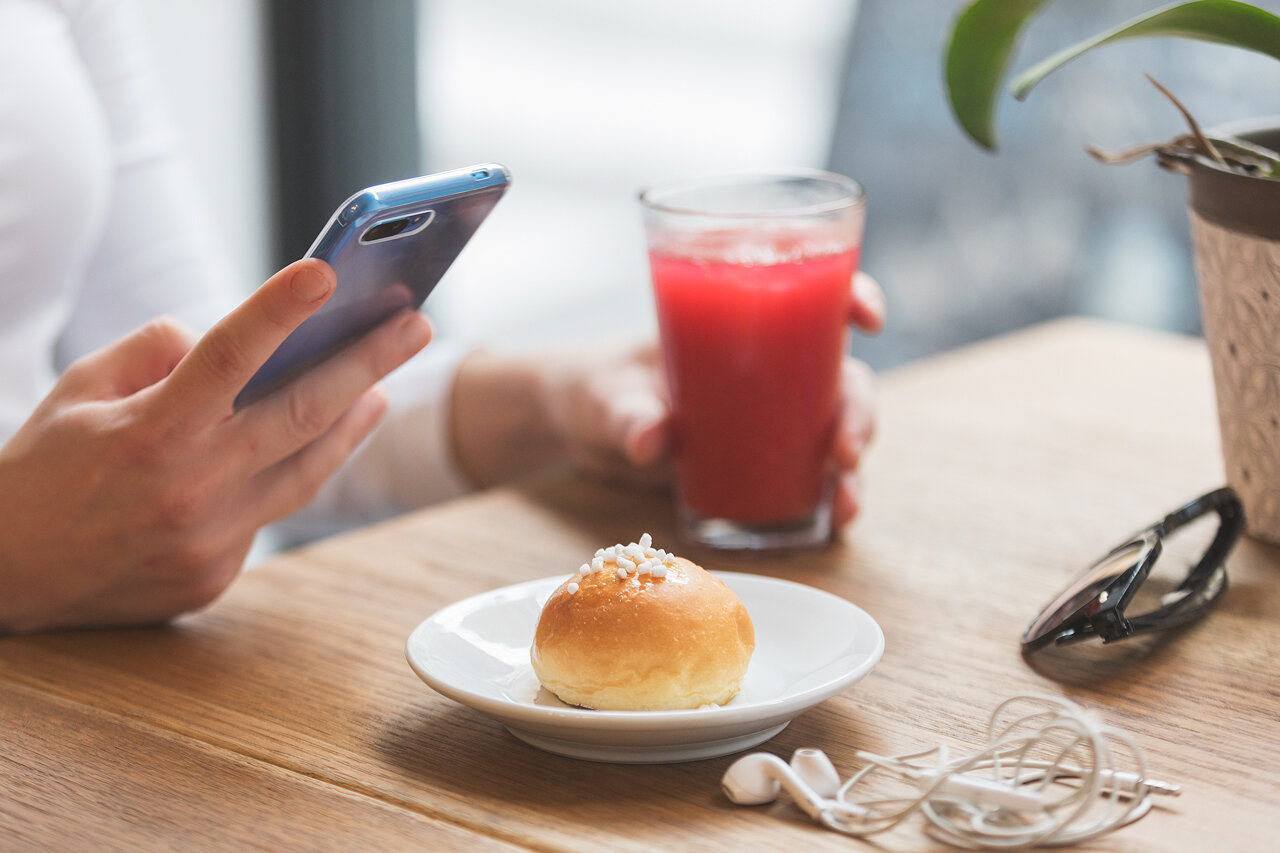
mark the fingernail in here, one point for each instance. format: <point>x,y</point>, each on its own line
<point>377,402</point>
<point>309,284</point>
<point>415,331</point>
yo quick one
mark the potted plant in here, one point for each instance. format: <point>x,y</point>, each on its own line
<point>1234,179</point>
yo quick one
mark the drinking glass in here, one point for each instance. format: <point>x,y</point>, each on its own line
<point>752,278</point>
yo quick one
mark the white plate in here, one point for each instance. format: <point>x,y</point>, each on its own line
<point>810,645</point>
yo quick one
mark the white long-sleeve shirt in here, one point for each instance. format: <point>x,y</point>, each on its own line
<point>101,229</point>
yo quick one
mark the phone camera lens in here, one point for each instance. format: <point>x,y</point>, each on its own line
<point>383,230</point>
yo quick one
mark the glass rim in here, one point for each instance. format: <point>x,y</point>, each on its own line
<point>855,195</point>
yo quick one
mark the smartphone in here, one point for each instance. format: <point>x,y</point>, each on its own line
<point>389,245</point>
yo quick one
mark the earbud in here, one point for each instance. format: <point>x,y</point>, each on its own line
<point>810,779</point>
<point>816,770</point>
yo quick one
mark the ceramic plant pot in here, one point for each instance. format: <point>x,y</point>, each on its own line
<point>1235,230</point>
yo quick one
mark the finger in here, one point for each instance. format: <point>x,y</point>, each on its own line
<point>649,354</point>
<point>138,360</point>
<point>635,423</point>
<point>848,499</point>
<point>283,422</point>
<point>648,442</point>
<point>220,364</point>
<point>291,483</point>
<point>858,419</point>
<point>615,406</point>
<point>867,308</point>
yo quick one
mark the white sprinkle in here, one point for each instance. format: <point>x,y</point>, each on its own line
<point>571,588</point>
<point>639,557</point>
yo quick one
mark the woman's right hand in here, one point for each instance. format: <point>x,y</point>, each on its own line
<point>133,492</point>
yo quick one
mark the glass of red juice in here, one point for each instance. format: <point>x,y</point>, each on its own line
<point>752,276</point>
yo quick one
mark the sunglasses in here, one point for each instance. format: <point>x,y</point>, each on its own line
<point>1095,605</point>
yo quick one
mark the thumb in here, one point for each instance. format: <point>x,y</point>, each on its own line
<point>647,441</point>
<point>639,423</point>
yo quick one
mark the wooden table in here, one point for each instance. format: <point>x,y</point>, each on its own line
<point>285,716</point>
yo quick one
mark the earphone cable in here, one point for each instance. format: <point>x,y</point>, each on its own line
<point>1046,777</point>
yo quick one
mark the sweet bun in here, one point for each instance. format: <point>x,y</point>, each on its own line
<point>642,630</point>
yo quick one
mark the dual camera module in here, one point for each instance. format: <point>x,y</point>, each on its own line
<point>400,227</point>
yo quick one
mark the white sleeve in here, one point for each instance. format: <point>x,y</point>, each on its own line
<point>157,254</point>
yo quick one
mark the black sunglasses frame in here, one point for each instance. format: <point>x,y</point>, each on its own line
<point>1101,613</point>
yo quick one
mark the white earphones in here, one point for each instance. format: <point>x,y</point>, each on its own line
<point>811,780</point>
<point>1001,797</point>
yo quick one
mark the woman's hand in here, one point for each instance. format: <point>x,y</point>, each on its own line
<point>857,427</point>
<point>613,416</point>
<point>134,491</point>
<point>607,412</point>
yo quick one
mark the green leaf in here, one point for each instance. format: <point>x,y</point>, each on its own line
<point>1221,21</point>
<point>982,42</point>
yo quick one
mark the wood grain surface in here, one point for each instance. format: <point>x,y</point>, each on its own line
<point>285,716</point>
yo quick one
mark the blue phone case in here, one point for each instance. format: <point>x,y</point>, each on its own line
<point>389,246</point>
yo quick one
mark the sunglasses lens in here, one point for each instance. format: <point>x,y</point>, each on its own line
<point>1167,588</point>
<point>1086,595</point>
<point>1129,591</point>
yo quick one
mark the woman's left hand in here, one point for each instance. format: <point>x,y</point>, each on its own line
<point>612,417</point>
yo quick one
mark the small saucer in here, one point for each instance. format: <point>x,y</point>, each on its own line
<point>810,645</point>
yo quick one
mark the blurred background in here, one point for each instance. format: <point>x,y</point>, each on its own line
<point>289,106</point>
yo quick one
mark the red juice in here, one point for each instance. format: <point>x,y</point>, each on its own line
<point>753,354</point>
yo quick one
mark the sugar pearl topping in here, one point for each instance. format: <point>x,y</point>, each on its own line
<point>634,558</point>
